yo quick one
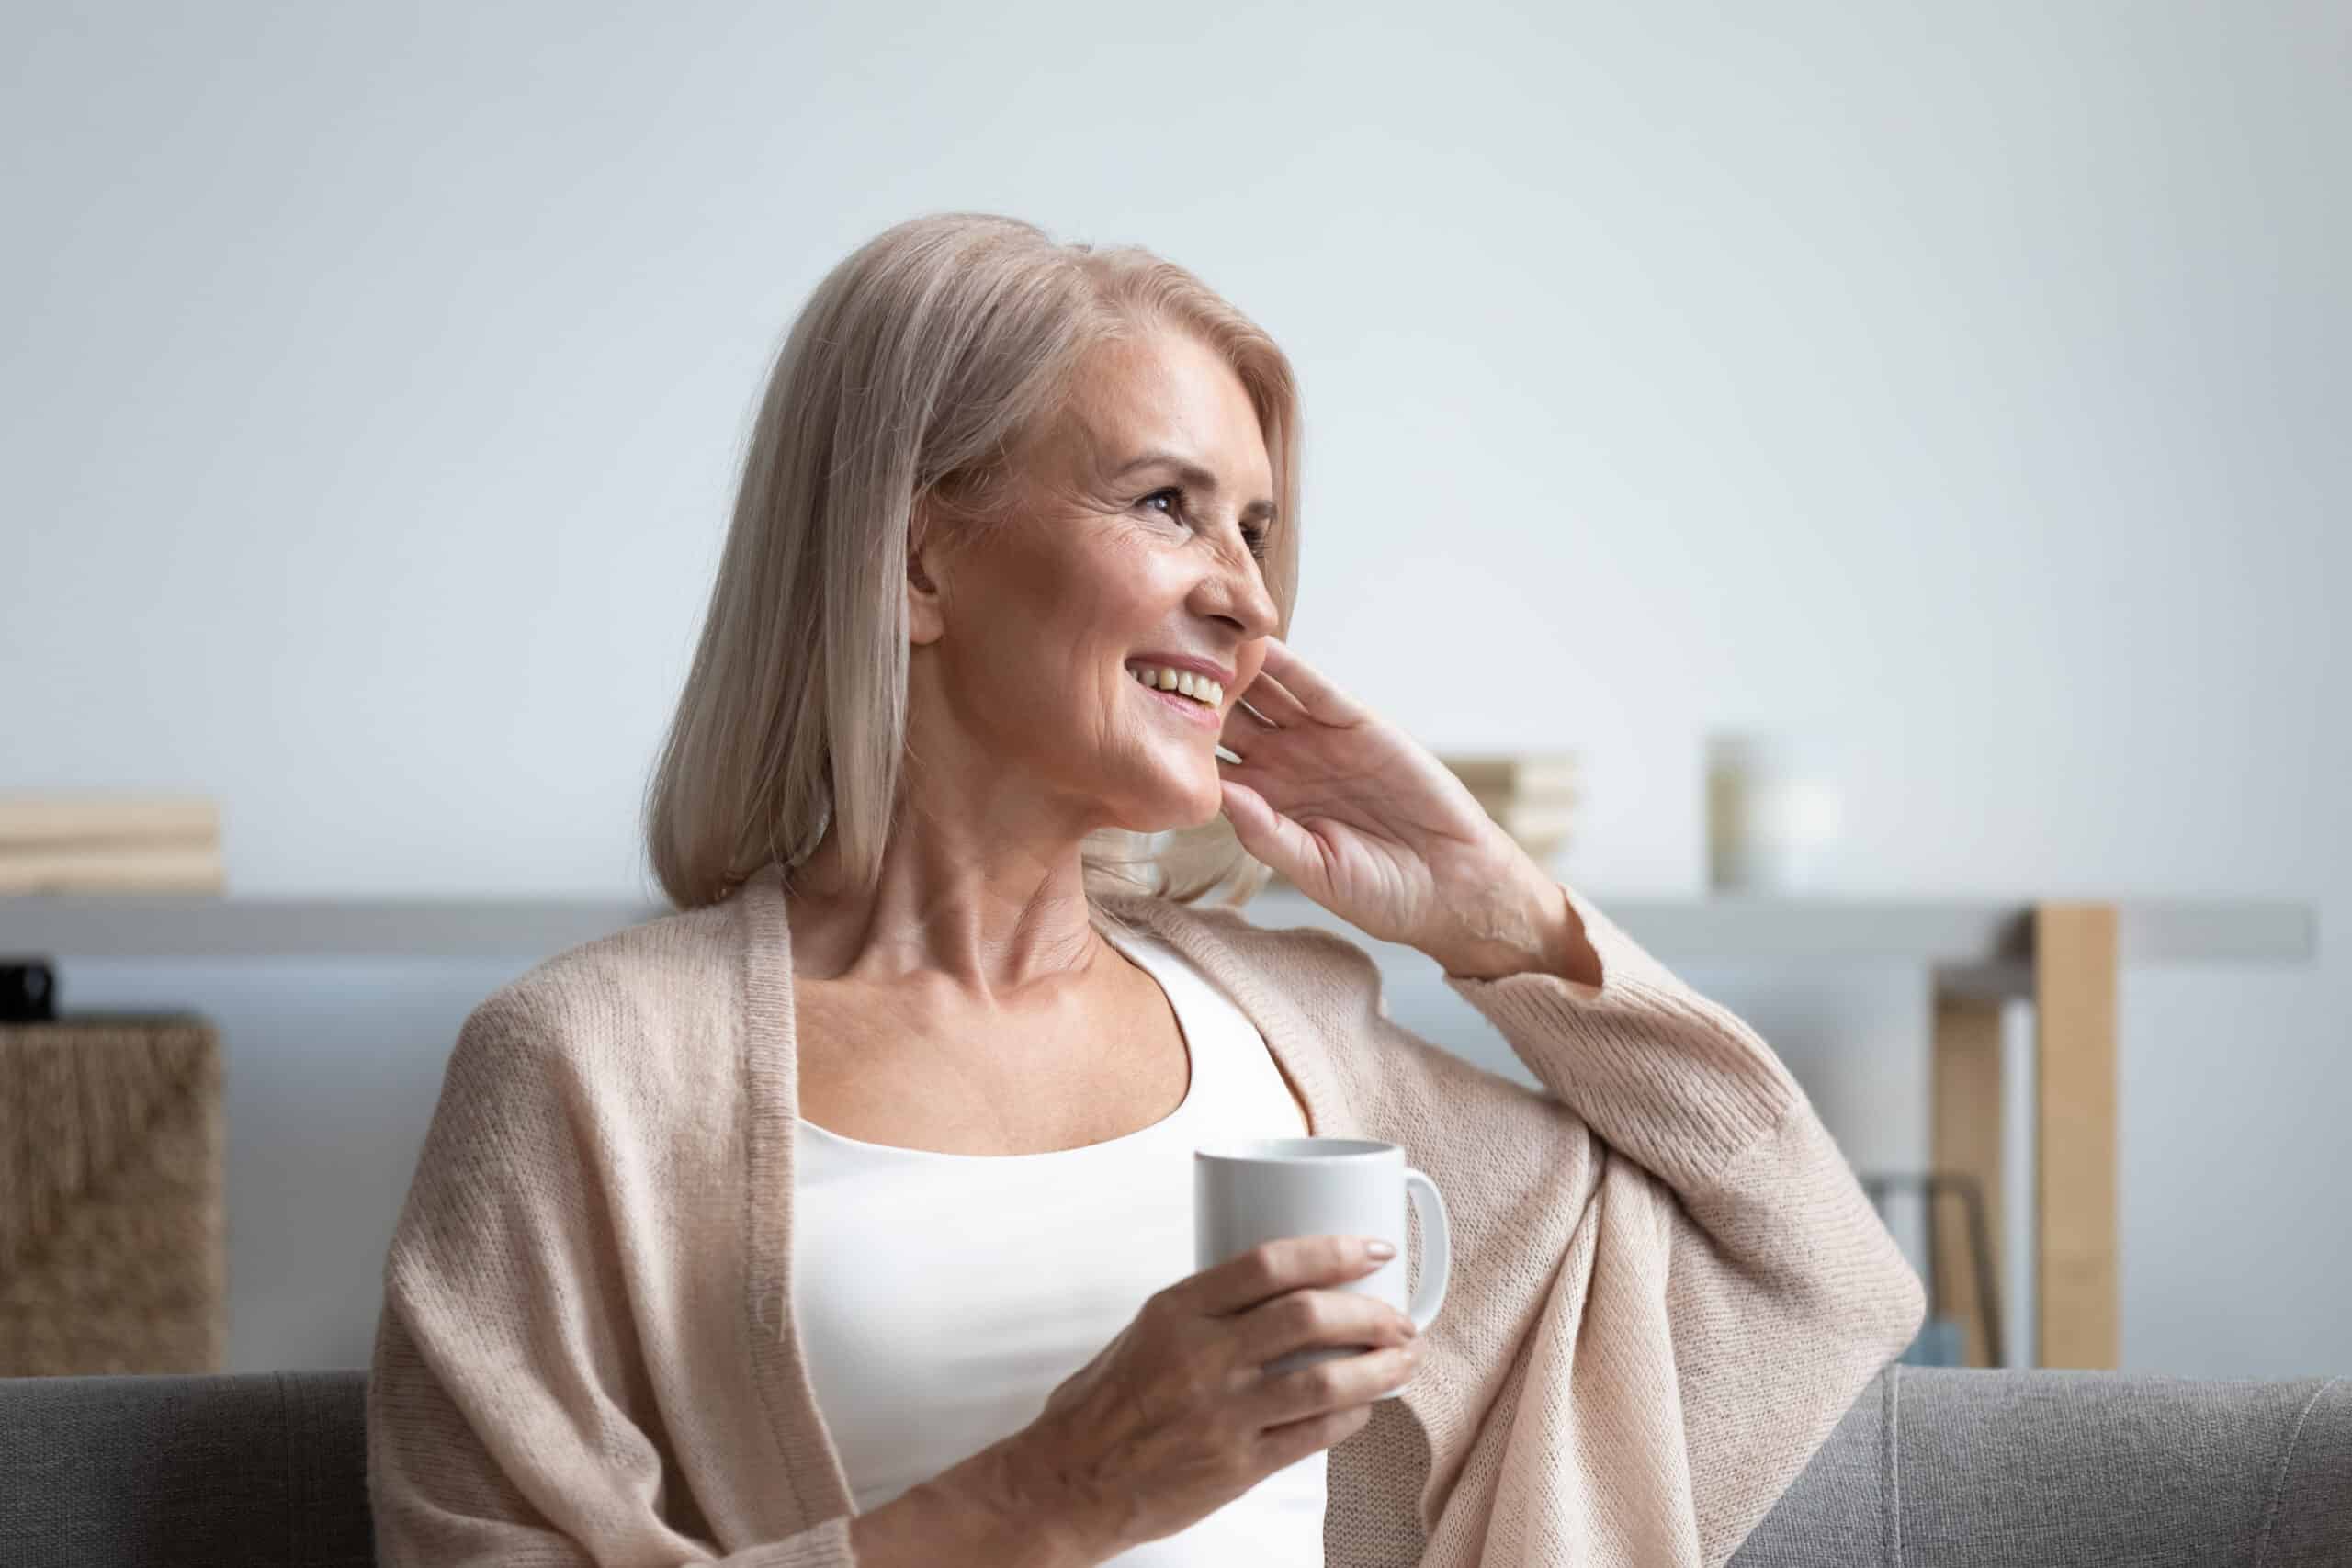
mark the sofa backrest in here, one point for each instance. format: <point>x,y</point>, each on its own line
<point>1939,1468</point>
<point>1930,1468</point>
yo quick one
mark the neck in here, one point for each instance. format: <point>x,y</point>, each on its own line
<point>960,898</point>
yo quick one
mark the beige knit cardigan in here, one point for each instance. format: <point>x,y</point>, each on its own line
<point>1667,1285</point>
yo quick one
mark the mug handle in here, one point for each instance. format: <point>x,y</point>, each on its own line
<point>1437,1248</point>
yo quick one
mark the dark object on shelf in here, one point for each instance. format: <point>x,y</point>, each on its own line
<point>27,990</point>
<point>1932,1186</point>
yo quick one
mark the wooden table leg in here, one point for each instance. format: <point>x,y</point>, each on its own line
<point>1966,1141</point>
<point>2077,1282</point>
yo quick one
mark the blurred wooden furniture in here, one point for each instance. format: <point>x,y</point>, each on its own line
<point>113,1245</point>
<point>108,841</point>
<point>2066,967</point>
<point>1536,798</point>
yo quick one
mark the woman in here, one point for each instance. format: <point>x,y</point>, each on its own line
<point>844,1216</point>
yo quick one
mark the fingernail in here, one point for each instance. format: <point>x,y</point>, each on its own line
<point>1382,1249</point>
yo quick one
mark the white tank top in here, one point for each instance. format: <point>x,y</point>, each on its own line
<point>940,1297</point>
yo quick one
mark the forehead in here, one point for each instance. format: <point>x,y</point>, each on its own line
<point>1164,390</point>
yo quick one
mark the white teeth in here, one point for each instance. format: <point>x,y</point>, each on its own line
<point>1200,688</point>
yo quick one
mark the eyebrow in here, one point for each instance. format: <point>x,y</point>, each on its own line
<point>1192,474</point>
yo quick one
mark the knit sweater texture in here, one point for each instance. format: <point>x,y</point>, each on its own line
<point>1667,1286</point>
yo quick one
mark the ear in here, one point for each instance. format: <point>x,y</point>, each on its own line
<point>925,621</point>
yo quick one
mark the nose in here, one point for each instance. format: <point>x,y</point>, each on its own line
<point>1235,592</point>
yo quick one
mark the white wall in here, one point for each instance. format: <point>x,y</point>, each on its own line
<point>1971,379</point>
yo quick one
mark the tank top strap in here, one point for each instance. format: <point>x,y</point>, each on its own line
<point>1237,1089</point>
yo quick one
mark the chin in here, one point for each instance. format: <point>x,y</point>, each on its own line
<point>1165,814</point>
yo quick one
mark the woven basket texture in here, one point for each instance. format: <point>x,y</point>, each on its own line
<point>113,1242</point>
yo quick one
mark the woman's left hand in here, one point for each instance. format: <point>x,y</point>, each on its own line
<point>1365,821</point>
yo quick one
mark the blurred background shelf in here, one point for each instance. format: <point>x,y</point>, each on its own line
<point>2062,957</point>
<point>1980,943</point>
<point>1963,935</point>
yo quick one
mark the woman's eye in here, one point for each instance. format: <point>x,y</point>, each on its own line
<point>1254,535</point>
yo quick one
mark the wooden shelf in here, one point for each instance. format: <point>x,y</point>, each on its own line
<point>1958,935</point>
<point>1984,936</point>
<point>2063,956</point>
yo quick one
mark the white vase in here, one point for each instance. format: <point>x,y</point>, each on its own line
<point>1775,809</point>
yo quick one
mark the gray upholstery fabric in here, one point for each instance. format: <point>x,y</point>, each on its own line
<point>254,1470</point>
<point>1947,1469</point>
<point>2310,1516</point>
<point>1931,1469</point>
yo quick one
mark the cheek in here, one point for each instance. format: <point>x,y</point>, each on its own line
<point>1067,606</point>
<point>1022,604</point>
<point>1111,599</point>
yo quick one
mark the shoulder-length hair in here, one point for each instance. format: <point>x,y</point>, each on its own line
<point>911,373</point>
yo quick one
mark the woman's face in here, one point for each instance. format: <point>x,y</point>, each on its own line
<point>1127,542</point>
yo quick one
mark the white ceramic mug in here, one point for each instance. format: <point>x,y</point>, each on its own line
<point>1247,1190</point>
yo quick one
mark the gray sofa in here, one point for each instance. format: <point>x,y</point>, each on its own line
<point>1930,1469</point>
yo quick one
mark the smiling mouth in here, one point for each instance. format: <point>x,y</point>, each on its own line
<point>1183,683</point>
<point>1193,712</point>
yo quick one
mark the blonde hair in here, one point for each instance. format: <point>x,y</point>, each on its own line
<point>908,375</point>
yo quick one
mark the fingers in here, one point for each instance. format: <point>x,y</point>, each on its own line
<point>1315,697</point>
<point>1334,1383</point>
<point>1274,838</point>
<point>1243,727</point>
<point>1290,1441</point>
<point>1286,694</point>
<point>1248,774</point>
<point>1318,1319</point>
<point>1275,701</point>
<point>1269,1269</point>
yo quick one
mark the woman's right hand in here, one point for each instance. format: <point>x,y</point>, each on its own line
<point>1177,1416</point>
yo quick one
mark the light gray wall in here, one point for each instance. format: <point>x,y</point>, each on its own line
<point>1972,380</point>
